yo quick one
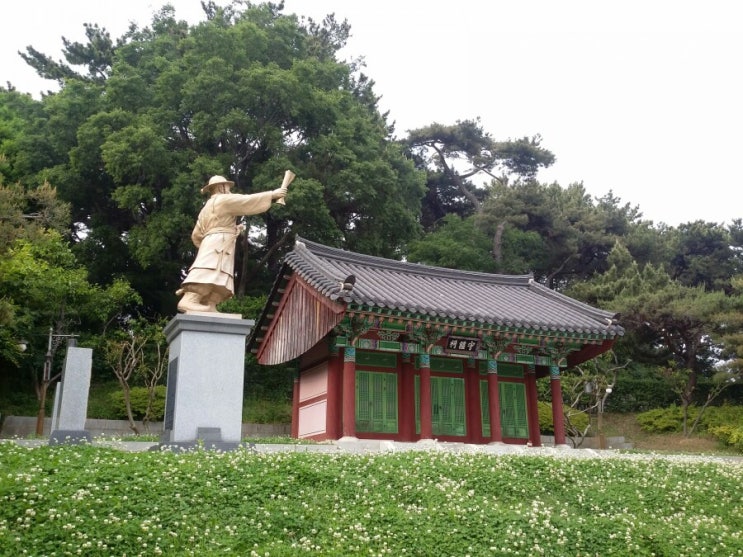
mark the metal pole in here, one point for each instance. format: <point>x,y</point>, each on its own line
<point>45,378</point>
<point>602,439</point>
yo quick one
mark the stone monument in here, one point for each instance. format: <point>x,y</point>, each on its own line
<point>71,398</point>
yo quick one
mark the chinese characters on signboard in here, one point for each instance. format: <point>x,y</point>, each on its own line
<point>466,345</point>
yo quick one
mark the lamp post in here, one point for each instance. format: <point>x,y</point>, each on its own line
<point>590,388</point>
<point>46,377</point>
<point>602,437</point>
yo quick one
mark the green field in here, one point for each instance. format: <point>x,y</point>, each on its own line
<point>88,500</point>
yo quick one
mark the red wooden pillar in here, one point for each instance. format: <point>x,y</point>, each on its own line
<point>472,402</point>
<point>496,433</point>
<point>425,397</point>
<point>406,405</point>
<point>295,408</point>
<point>334,398</point>
<point>557,414</point>
<point>349,392</point>
<point>531,404</point>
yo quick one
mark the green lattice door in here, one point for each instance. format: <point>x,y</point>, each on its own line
<point>376,402</point>
<point>448,410</point>
<point>513,416</point>
<point>485,409</point>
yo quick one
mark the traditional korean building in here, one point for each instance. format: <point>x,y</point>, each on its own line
<point>409,352</point>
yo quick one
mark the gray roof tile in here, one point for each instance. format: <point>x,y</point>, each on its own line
<point>489,299</point>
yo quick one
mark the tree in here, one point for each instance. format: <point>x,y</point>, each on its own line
<point>137,354</point>
<point>48,290</point>
<point>585,389</point>
<point>456,243</point>
<point>706,254</point>
<point>460,243</point>
<point>45,293</point>
<point>680,329</point>
<point>247,94</point>
<point>575,231</point>
<point>28,214</point>
<point>154,361</point>
<point>24,215</point>
<point>96,54</point>
<point>124,356</point>
<point>729,370</point>
<point>17,114</point>
<point>455,155</point>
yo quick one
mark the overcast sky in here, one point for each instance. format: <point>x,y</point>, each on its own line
<point>641,98</point>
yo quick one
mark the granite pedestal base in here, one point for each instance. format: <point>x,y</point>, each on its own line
<point>206,369</point>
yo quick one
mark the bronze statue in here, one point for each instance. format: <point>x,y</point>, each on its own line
<point>210,279</point>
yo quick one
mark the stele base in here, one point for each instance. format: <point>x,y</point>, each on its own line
<point>206,369</point>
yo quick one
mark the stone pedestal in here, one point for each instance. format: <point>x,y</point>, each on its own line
<point>206,370</point>
<point>71,398</point>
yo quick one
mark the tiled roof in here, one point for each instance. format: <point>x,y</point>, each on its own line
<point>483,298</point>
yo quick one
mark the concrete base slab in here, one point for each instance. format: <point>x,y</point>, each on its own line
<point>70,437</point>
<point>219,446</point>
<point>427,442</point>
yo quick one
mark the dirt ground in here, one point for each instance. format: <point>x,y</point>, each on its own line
<point>626,425</point>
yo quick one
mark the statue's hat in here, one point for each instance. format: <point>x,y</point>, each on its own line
<point>216,181</point>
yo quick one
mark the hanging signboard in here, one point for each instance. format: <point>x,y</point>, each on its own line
<point>463,345</point>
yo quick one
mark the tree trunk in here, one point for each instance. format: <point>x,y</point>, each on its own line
<point>41,395</point>
<point>454,177</point>
<point>128,405</point>
<point>498,246</point>
<point>691,386</point>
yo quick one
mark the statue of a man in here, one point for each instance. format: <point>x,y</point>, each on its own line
<point>210,279</point>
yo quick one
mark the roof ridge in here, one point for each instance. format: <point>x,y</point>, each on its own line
<point>403,266</point>
<point>577,304</point>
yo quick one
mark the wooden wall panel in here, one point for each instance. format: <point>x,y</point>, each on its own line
<point>302,319</point>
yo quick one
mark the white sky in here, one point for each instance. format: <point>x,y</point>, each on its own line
<point>640,97</point>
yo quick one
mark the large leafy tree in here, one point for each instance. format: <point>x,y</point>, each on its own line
<point>26,216</point>
<point>45,292</point>
<point>246,93</point>
<point>14,108</point>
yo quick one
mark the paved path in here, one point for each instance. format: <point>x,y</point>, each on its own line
<point>363,446</point>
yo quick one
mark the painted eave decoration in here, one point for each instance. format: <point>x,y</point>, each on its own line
<point>320,288</point>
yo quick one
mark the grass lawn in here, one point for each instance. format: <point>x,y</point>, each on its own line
<point>82,500</point>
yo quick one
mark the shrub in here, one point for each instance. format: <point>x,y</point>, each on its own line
<point>661,420</point>
<point>730,435</point>
<point>722,416</point>
<point>99,400</point>
<point>138,397</point>
<point>261,411</point>
<point>664,420</point>
<point>634,394</point>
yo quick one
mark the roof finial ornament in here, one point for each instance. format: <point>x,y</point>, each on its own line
<point>346,285</point>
